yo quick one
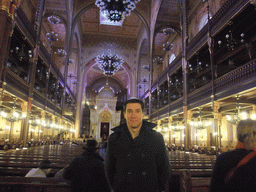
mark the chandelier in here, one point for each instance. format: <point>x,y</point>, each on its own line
<point>52,36</point>
<point>116,10</point>
<point>35,122</point>
<point>168,31</point>
<point>167,46</point>
<point>61,52</point>
<point>176,127</point>
<point>22,52</point>
<point>200,124</point>
<point>158,60</point>
<point>230,40</point>
<point>13,116</point>
<point>53,19</point>
<point>109,64</point>
<point>236,117</point>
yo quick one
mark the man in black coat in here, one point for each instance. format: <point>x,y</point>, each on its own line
<point>87,171</point>
<point>136,158</point>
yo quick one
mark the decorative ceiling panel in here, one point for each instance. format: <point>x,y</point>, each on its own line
<point>130,30</point>
<point>92,15</point>
<point>109,29</point>
<point>90,27</point>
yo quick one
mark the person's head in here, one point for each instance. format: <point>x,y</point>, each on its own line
<point>45,166</point>
<point>91,145</point>
<point>133,113</point>
<point>246,133</point>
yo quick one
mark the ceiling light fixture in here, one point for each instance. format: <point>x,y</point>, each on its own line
<point>167,46</point>
<point>53,19</point>
<point>109,64</point>
<point>61,53</point>
<point>116,10</point>
<point>168,31</point>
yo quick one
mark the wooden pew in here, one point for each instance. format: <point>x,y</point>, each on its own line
<point>18,163</point>
<point>183,181</point>
<point>24,184</point>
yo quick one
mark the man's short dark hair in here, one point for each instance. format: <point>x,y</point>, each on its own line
<point>133,100</point>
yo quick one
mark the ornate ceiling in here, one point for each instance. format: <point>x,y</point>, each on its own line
<point>129,32</point>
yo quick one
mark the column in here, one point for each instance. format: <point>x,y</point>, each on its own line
<point>42,128</point>
<point>184,36</point>
<point>188,127</point>
<point>26,107</point>
<point>216,125</point>
<point>7,9</point>
<point>170,118</point>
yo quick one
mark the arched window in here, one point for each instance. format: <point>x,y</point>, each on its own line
<point>203,21</point>
<point>172,57</point>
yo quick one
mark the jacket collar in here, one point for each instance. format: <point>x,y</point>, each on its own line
<point>125,141</point>
<point>145,124</point>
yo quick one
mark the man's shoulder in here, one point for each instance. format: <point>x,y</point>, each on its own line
<point>117,131</point>
<point>156,134</point>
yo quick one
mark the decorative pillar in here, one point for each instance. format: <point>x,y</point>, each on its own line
<point>52,128</point>
<point>7,10</point>
<point>159,123</point>
<point>43,129</point>
<point>189,137</point>
<point>170,118</point>
<point>26,106</point>
<point>216,127</point>
<point>184,36</point>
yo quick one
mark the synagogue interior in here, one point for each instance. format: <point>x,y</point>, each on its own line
<point>66,68</point>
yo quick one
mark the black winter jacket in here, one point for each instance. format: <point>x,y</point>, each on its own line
<point>137,165</point>
<point>244,178</point>
<point>87,174</point>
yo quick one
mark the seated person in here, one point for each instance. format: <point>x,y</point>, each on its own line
<point>42,171</point>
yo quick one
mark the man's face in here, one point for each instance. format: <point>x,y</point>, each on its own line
<point>133,115</point>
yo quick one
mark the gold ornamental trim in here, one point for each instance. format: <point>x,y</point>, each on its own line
<point>4,5</point>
